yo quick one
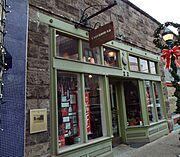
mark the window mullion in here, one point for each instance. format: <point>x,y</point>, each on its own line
<point>80,51</point>
<point>83,107</point>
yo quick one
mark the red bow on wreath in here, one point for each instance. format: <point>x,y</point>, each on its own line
<point>168,53</point>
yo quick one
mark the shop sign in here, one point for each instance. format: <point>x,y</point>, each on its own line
<point>101,35</point>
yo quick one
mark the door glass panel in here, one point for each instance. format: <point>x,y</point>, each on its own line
<point>133,108</point>
<point>116,140</point>
<point>114,111</point>
<point>68,109</point>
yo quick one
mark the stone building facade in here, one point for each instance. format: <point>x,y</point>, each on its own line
<point>132,26</point>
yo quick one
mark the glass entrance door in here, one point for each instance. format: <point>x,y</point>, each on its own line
<point>115,115</point>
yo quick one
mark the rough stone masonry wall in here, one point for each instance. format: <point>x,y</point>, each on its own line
<point>133,25</point>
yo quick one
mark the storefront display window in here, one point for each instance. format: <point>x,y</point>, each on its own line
<point>94,106</point>
<point>68,109</point>
<point>149,101</point>
<point>90,55</point>
<point>133,107</point>
<point>110,57</point>
<point>144,66</point>
<point>153,92</point>
<point>66,46</point>
<point>133,61</point>
<point>158,101</point>
<point>152,67</point>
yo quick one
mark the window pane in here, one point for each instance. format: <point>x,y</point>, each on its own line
<point>110,57</point>
<point>158,100</point>
<point>144,66</point>
<point>90,55</point>
<point>94,106</point>
<point>133,61</point>
<point>68,109</point>
<point>66,46</point>
<point>133,108</point>
<point>152,67</point>
<point>149,101</point>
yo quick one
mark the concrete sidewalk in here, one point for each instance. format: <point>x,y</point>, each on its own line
<point>167,146</point>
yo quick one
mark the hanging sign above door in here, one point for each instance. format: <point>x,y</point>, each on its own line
<point>101,35</point>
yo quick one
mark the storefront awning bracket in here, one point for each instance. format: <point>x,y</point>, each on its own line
<point>85,18</point>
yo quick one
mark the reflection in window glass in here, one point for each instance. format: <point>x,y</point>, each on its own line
<point>133,61</point>
<point>90,55</point>
<point>152,67</point>
<point>110,57</point>
<point>66,46</point>
<point>149,101</point>
<point>133,108</point>
<point>94,106</point>
<point>158,100</point>
<point>144,66</point>
<point>68,106</point>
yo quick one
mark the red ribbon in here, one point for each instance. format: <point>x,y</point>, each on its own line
<point>168,53</point>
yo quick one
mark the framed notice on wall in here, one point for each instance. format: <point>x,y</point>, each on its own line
<point>38,120</point>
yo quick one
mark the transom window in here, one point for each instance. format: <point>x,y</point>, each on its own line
<point>133,62</point>
<point>142,65</point>
<point>110,57</point>
<point>66,46</point>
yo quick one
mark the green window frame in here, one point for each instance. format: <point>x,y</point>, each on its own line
<point>85,53</point>
<point>107,133</point>
<point>154,71</point>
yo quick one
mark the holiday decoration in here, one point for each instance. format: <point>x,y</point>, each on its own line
<point>168,53</point>
<point>171,48</point>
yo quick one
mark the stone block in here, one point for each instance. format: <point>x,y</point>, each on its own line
<point>38,150</point>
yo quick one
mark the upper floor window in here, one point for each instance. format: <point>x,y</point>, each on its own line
<point>66,46</point>
<point>133,62</point>
<point>110,57</point>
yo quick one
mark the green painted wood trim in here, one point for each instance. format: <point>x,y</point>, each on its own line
<point>85,67</point>
<point>70,29</point>
<point>80,51</point>
<point>107,106</point>
<point>86,148</point>
<point>144,76</point>
<point>77,66</point>
<point>122,111</point>
<point>157,123</point>
<point>53,99</point>
<point>102,55</point>
<point>143,102</point>
<point>84,118</point>
<point>118,110</point>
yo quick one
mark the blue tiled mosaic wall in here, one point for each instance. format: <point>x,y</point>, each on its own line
<point>12,112</point>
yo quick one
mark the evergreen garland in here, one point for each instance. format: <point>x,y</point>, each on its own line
<point>159,43</point>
